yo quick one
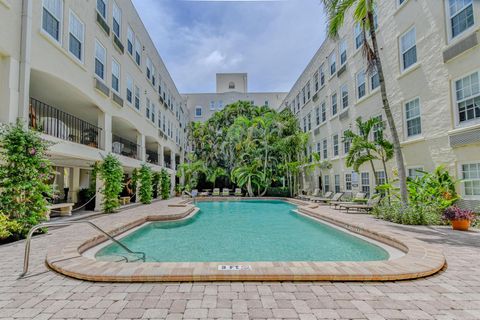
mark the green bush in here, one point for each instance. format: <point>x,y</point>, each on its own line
<point>25,173</point>
<point>8,227</point>
<point>429,214</point>
<point>278,192</point>
<point>165,184</point>
<point>111,172</point>
<point>156,181</point>
<point>146,188</point>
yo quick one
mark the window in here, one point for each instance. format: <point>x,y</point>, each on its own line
<point>100,57</point>
<point>129,88</point>
<point>380,178</point>
<point>326,183</point>
<point>147,109</point>
<point>115,76</point>
<point>152,114</point>
<point>365,179</point>
<point>412,117</point>
<point>344,91</point>
<point>52,15</point>
<point>400,2</point>
<point>374,80</point>
<point>333,63</point>
<point>334,104</point>
<point>76,36</point>
<point>361,90</point>
<point>160,119</point>
<point>220,104</point>
<point>317,116</point>
<point>343,52</point>
<point>266,103</point>
<point>461,16</point>
<point>322,76</point>
<point>149,68</point>
<point>315,81</point>
<point>102,8</point>
<point>471,179</point>
<point>198,111</point>
<point>346,144</point>
<point>231,85</point>
<point>309,117</point>
<point>348,181</point>
<point>137,98</point>
<point>335,145</point>
<point>138,51</point>
<point>308,90</point>
<point>298,102</point>
<point>212,105</point>
<point>467,92</point>
<point>336,179</point>
<point>130,40</point>
<point>377,129</point>
<point>304,124</point>
<point>415,172</point>
<point>408,48</point>
<point>324,112</point>
<point>359,35</point>
<point>325,149</point>
<point>117,20</point>
<point>154,71</point>
<point>304,96</point>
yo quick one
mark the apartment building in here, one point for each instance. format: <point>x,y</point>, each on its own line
<point>230,88</point>
<point>431,58</point>
<point>88,76</point>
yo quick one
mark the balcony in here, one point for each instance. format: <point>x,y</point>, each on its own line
<point>124,147</point>
<point>152,157</point>
<point>59,124</point>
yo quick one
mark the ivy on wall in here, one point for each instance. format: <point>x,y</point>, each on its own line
<point>146,187</point>
<point>111,172</point>
<point>165,184</point>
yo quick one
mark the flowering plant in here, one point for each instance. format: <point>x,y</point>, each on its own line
<point>456,213</point>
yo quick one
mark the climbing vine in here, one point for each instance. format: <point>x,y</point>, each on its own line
<point>111,172</point>
<point>156,181</point>
<point>165,184</point>
<point>146,187</point>
<point>25,179</point>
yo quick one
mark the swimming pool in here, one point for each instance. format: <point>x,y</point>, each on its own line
<point>248,230</point>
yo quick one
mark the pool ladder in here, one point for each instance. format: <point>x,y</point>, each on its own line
<point>68,223</point>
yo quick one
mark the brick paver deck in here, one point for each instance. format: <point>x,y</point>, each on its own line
<point>44,294</point>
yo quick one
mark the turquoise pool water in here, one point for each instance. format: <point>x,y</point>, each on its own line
<point>245,231</point>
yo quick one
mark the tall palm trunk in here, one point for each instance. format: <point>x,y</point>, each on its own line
<point>388,112</point>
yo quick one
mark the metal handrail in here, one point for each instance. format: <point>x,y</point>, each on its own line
<point>68,223</point>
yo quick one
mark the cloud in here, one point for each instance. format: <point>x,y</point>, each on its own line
<point>271,40</point>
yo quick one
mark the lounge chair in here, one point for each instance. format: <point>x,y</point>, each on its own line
<point>194,193</point>
<point>216,192</point>
<point>238,192</point>
<point>303,196</point>
<point>316,193</point>
<point>356,200</point>
<point>327,196</point>
<point>225,192</point>
<point>371,203</point>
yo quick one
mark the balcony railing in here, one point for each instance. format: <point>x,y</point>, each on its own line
<point>152,157</point>
<point>124,147</point>
<point>54,122</point>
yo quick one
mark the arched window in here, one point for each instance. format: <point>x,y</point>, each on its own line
<point>231,85</point>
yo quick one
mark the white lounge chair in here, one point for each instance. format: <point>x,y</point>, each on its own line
<point>225,192</point>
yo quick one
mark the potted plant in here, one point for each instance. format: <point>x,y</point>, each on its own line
<point>460,218</point>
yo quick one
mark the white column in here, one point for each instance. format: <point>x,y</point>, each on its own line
<point>105,123</point>
<point>141,146</point>
<point>173,161</point>
<point>98,194</point>
<point>25,53</point>
<point>9,89</point>
<point>75,185</point>
<point>161,161</point>
<point>172,184</point>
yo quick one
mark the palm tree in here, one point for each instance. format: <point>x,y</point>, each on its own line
<point>363,13</point>
<point>214,173</point>
<point>361,148</point>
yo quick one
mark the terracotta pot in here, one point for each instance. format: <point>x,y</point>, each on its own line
<point>461,225</point>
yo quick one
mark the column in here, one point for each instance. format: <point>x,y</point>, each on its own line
<point>161,160</point>
<point>141,147</point>
<point>25,55</point>
<point>173,161</point>
<point>172,184</point>
<point>75,183</point>
<point>9,90</point>
<point>98,193</point>
<point>105,123</point>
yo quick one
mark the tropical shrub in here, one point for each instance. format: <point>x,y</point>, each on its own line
<point>156,181</point>
<point>456,213</point>
<point>25,173</point>
<point>8,227</point>
<point>111,172</point>
<point>396,212</point>
<point>165,184</point>
<point>277,192</point>
<point>146,188</point>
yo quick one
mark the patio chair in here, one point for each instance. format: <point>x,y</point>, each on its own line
<point>316,193</point>
<point>238,192</point>
<point>216,192</point>
<point>225,192</point>
<point>303,195</point>
<point>371,203</point>
<point>359,197</point>
<point>327,196</point>
<point>194,193</point>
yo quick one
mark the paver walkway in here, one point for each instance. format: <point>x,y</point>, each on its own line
<point>43,294</point>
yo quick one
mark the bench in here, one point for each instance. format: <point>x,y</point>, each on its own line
<point>65,209</point>
<point>124,200</point>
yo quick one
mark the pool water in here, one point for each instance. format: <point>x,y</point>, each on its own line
<point>250,231</point>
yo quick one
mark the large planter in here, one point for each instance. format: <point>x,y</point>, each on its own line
<point>461,225</point>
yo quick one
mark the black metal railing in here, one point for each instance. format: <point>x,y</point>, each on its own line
<point>57,123</point>
<point>152,157</point>
<point>124,147</point>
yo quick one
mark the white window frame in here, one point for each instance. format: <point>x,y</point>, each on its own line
<point>343,89</point>
<point>348,181</point>
<point>335,146</point>
<point>372,89</point>
<point>137,96</point>
<point>323,111</point>
<point>116,64</point>
<point>334,94</point>
<point>70,33</point>
<point>337,183</point>
<point>419,116</point>
<point>358,32</point>
<point>449,22</point>
<point>131,39</point>
<point>358,84</point>
<point>104,62</point>
<point>332,62</point>
<point>106,9</point>
<point>462,184</point>
<point>326,182</point>
<point>413,168</point>
<point>343,48</point>
<point>369,182</point>
<point>465,123</point>
<point>325,149</point>
<point>404,50</point>
<point>129,86</point>
<point>60,22</point>
<point>201,111</point>
<point>138,50</point>
<point>116,11</point>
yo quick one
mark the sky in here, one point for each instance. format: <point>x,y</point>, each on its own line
<point>271,40</point>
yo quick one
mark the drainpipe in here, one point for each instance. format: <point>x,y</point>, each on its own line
<point>25,54</point>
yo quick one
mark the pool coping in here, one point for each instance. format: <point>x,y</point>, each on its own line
<point>420,259</point>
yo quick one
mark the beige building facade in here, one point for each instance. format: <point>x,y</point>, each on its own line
<point>231,87</point>
<point>88,76</point>
<point>431,59</point>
